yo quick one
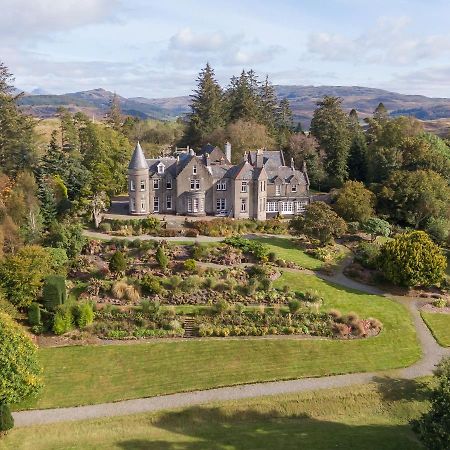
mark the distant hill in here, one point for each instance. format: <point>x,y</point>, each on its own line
<point>302,99</point>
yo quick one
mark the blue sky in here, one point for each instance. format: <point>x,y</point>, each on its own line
<point>156,48</point>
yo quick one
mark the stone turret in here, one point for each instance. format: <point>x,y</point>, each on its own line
<point>138,183</point>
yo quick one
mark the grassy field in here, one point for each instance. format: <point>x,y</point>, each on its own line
<point>287,249</point>
<point>370,417</point>
<point>93,374</point>
<point>439,325</point>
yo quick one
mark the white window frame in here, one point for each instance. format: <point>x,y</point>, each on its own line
<point>169,183</point>
<point>278,189</point>
<point>189,204</point>
<point>156,183</point>
<point>132,186</point>
<point>195,204</point>
<point>221,205</point>
<point>155,204</point>
<point>143,204</point>
<point>194,170</point>
<point>221,185</point>
<point>287,207</point>
<point>243,205</point>
<point>195,184</point>
<point>161,167</point>
<point>244,186</point>
<point>132,204</point>
<point>168,202</point>
<point>294,188</point>
<point>271,206</point>
<point>142,185</point>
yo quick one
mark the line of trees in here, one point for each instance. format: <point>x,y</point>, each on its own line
<point>247,113</point>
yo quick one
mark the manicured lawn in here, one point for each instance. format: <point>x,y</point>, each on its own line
<point>439,325</point>
<point>95,374</point>
<point>370,417</point>
<point>287,249</point>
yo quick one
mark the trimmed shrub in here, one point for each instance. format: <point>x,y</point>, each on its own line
<point>63,320</point>
<point>34,314</point>
<point>105,227</point>
<point>151,285</point>
<point>6,419</point>
<point>161,258</point>
<point>190,265</point>
<point>84,314</point>
<point>117,262</point>
<point>412,259</point>
<point>54,292</point>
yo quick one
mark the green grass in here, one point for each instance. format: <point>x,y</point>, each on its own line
<point>93,374</point>
<point>439,325</point>
<point>287,249</point>
<point>370,417</point>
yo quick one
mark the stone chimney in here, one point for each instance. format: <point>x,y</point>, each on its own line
<point>228,151</point>
<point>259,158</point>
<point>292,164</point>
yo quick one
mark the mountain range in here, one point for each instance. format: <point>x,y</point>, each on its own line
<point>303,100</point>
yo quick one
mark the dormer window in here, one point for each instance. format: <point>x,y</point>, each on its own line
<point>294,188</point>
<point>161,167</point>
<point>221,185</point>
<point>194,170</point>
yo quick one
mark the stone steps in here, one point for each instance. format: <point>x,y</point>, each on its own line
<point>188,327</point>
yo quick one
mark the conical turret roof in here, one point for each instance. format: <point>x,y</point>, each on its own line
<point>138,160</point>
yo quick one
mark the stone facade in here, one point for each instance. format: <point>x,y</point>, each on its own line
<point>206,183</point>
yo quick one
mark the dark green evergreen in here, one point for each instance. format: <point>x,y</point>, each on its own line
<point>54,292</point>
<point>357,161</point>
<point>207,107</point>
<point>330,127</point>
<point>6,419</point>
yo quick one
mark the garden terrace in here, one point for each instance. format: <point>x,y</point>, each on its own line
<point>223,320</point>
<point>123,371</point>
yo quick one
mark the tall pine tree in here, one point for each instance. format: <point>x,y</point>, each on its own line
<point>207,107</point>
<point>243,101</point>
<point>269,106</point>
<point>357,161</point>
<point>330,127</point>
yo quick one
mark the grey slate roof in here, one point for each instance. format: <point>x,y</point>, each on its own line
<point>170,165</point>
<point>271,158</point>
<point>138,160</point>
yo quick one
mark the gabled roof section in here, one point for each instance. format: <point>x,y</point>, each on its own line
<point>272,159</point>
<point>170,165</point>
<point>138,160</point>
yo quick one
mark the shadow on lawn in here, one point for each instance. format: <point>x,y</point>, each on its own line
<point>214,429</point>
<point>395,389</point>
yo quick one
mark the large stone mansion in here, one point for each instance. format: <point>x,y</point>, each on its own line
<point>207,183</point>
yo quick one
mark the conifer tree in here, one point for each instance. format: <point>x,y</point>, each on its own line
<point>357,161</point>
<point>381,113</point>
<point>330,127</point>
<point>207,107</point>
<point>17,138</point>
<point>243,101</point>
<point>284,123</point>
<point>269,106</point>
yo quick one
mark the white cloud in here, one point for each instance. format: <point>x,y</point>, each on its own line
<point>24,19</point>
<point>388,42</point>
<point>188,48</point>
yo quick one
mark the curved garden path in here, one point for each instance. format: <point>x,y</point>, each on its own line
<point>431,355</point>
